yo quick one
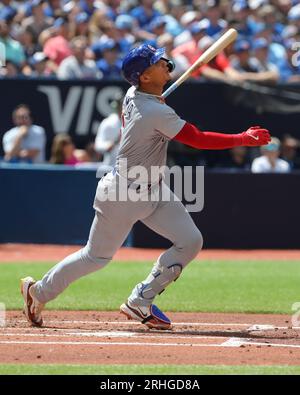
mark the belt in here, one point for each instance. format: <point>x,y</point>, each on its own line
<point>131,184</point>
<point>149,186</point>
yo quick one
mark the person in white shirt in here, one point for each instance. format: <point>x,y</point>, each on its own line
<point>270,162</point>
<point>25,142</point>
<point>76,65</point>
<point>108,136</point>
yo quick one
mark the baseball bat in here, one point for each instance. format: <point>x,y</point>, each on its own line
<point>217,47</point>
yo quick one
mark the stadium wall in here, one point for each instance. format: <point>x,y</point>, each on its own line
<point>53,204</point>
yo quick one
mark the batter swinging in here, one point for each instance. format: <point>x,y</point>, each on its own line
<point>148,125</point>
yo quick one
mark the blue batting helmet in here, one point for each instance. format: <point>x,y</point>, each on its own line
<point>138,60</point>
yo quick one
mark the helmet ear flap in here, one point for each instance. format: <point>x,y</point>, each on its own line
<point>134,77</point>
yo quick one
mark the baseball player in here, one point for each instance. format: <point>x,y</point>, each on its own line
<point>147,126</point>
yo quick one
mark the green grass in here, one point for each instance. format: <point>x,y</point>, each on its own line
<point>214,286</point>
<point>147,369</point>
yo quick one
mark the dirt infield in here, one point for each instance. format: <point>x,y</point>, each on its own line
<point>45,252</point>
<point>107,338</point>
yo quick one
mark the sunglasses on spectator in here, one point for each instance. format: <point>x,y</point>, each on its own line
<point>25,116</point>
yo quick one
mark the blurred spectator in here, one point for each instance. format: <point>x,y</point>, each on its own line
<point>38,63</point>
<point>76,65</point>
<point>145,13</point>
<point>10,70</point>
<point>13,49</point>
<point>276,49</point>
<point>56,45</point>
<point>110,34</point>
<point>82,25</point>
<point>294,16</point>
<point>38,21</point>
<point>96,25</point>
<point>27,40</point>
<point>113,9</point>
<point>289,67</point>
<point>241,60</point>
<point>108,135</point>
<point>53,9</point>
<point>8,12</point>
<point>30,26</point>
<point>25,142</point>
<point>189,52</point>
<point>218,68</point>
<point>110,65</point>
<point>260,60</point>
<point>125,25</point>
<point>254,68</point>
<point>188,19</point>
<point>173,11</point>
<point>236,158</point>
<point>270,162</point>
<point>269,17</point>
<point>87,6</point>
<point>213,16</point>
<point>241,13</point>
<point>63,151</point>
<point>289,148</point>
<point>157,26</point>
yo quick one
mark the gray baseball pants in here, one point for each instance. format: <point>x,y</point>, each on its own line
<point>112,223</point>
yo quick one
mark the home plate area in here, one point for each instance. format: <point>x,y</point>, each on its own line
<point>196,338</point>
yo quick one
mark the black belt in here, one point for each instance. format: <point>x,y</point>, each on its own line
<point>149,186</point>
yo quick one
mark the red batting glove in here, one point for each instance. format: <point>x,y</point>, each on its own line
<point>255,136</point>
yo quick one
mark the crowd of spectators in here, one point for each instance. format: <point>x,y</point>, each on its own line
<point>88,38</point>
<point>26,143</point>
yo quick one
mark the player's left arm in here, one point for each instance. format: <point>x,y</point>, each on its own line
<point>192,136</point>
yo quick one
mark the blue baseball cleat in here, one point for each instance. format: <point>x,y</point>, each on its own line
<point>151,316</point>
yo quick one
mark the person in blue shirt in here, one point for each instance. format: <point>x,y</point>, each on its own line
<point>125,25</point>
<point>213,15</point>
<point>241,13</point>
<point>113,9</point>
<point>289,67</point>
<point>7,13</point>
<point>87,6</point>
<point>157,26</point>
<point>145,13</point>
<point>82,24</point>
<point>110,64</point>
<point>53,8</point>
<point>270,18</point>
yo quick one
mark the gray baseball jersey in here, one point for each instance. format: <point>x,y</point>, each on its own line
<point>147,126</point>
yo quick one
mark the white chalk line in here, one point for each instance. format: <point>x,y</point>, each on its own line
<point>229,343</point>
<point>250,327</point>
<point>73,343</point>
<point>64,332</point>
<point>117,334</point>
